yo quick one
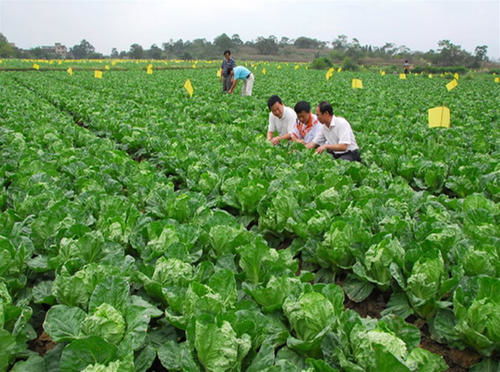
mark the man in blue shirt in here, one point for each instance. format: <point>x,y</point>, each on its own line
<point>244,74</point>
<point>227,63</point>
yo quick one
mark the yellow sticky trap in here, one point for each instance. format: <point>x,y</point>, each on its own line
<point>36,66</point>
<point>98,74</point>
<point>439,117</point>
<point>297,67</point>
<point>456,76</point>
<point>149,70</point>
<point>264,71</point>
<point>218,74</point>
<point>402,76</point>
<point>59,62</point>
<point>497,80</point>
<point>430,76</point>
<point>279,67</point>
<point>357,84</point>
<point>113,63</point>
<point>451,85</point>
<point>339,69</point>
<point>106,67</point>
<point>382,73</point>
<point>329,73</point>
<point>189,87</point>
<point>70,71</point>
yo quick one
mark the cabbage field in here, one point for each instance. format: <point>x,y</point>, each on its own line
<point>145,230</point>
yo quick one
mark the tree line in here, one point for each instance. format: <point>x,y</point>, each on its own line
<point>341,49</point>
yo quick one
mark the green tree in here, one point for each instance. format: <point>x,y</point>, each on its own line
<point>154,52</point>
<point>136,51</point>
<point>6,50</point>
<point>308,43</point>
<point>481,53</point>
<point>389,49</point>
<point>39,52</point>
<point>223,42</point>
<point>341,43</point>
<point>267,45</point>
<point>236,40</point>
<point>82,50</point>
<point>284,41</point>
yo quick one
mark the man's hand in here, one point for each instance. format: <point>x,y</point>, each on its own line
<point>233,85</point>
<point>320,149</point>
<point>275,140</point>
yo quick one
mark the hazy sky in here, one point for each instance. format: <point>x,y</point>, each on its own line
<point>418,24</point>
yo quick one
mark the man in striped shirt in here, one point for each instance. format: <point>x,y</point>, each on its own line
<point>307,126</point>
<point>227,63</point>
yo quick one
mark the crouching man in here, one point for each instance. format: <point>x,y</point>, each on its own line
<point>335,136</point>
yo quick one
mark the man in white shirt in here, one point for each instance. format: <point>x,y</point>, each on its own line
<point>282,119</point>
<point>336,135</point>
<point>307,126</point>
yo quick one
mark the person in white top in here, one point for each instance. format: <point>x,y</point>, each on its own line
<point>307,125</point>
<point>336,135</point>
<point>282,119</point>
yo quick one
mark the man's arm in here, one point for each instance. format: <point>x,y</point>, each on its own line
<point>276,140</point>
<point>337,147</point>
<point>318,139</point>
<point>296,138</point>
<point>233,85</point>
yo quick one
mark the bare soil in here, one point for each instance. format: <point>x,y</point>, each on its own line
<point>372,306</point>
<point>42,344</point>
<point>457,360</point>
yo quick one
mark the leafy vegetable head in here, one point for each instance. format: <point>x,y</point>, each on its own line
<point>106,322</point>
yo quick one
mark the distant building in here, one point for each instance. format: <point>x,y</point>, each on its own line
<point>61,50</point>
<point>58,49</point>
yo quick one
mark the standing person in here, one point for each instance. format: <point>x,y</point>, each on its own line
<point>227,62</point>
<point>244,74</point>
<point>282,119</point>
<point>406,67</point>
<point>307,125</point>
<point>336,135</point>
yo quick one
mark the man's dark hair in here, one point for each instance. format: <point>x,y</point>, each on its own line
<point>227,52</point>
<point>272,100</point>
<point>325,107</point>
<point>229,70</point>
<point>302,106</point>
